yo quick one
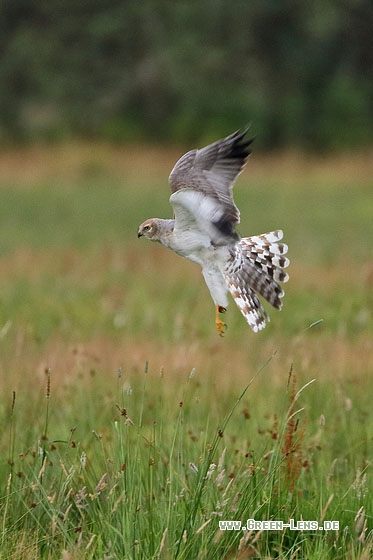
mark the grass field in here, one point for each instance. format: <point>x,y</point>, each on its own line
<point>130,429</point>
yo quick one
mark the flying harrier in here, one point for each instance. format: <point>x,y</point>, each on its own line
<point>204,231</point>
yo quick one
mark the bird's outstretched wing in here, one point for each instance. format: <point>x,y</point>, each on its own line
<point>202,182</point>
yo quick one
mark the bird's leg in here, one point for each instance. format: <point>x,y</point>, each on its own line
<point>220,325</point>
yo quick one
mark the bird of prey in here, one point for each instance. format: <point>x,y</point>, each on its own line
<point>204,231</point>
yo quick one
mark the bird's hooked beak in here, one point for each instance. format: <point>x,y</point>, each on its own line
<point>139,233</point>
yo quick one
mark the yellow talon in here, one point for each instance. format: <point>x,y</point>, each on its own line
<point>220,325</point>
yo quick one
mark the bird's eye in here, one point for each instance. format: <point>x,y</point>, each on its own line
<point>146,228</point>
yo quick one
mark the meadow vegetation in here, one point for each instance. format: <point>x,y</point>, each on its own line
<point>130,428</point>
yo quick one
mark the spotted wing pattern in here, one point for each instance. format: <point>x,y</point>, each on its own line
<point>256,267</point>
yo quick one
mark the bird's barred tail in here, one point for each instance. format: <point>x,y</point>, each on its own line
<point>257,267</point>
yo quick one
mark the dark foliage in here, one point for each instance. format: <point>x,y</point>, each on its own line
<point>301,72</point>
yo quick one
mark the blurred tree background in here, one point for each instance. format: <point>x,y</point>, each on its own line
<point>123,70</point>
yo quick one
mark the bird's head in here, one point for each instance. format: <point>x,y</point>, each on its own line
<point>148,229</point>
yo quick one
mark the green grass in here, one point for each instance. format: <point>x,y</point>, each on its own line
<point>142,465</point>
<point>130,429</point>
